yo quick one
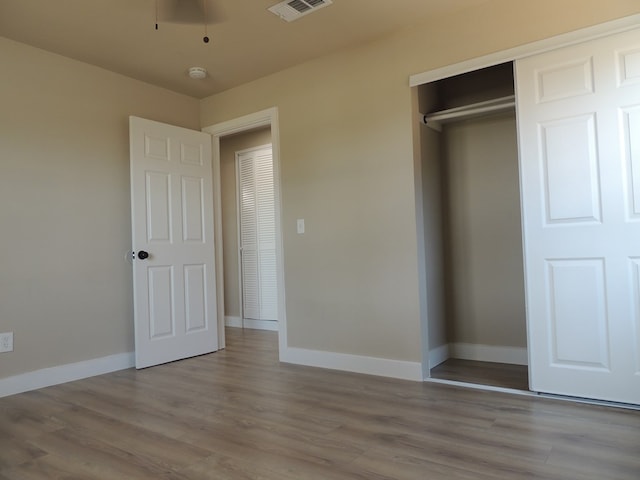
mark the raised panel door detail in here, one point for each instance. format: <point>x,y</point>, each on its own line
<point>161,313</point>
<point>158,200</point>
<point>157,148</point>
<point>192,210</point>
<point>191,154</point>
<point>570,164</point>
<point>195,297</point>
<point>631,149</point>
<point>564,81</point>
<point>578,313</point>
<point>635,289</point>
<point>629,67</point>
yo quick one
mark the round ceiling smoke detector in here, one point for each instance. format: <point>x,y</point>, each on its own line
<point>197,73</point>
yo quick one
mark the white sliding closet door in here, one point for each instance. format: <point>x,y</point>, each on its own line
<point>258,234</point>
<point>579,129</point>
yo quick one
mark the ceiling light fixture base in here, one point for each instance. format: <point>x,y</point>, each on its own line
<point>197,73</point>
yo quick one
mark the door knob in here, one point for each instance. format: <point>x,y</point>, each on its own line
<point>142,255</point>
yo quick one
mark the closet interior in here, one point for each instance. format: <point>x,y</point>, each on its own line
<point>472,229</point>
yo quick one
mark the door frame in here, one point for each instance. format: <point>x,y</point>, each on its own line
<point>510,55</point>
<point>263,118</point>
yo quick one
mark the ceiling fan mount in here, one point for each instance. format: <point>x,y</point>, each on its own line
<point>188,12</point>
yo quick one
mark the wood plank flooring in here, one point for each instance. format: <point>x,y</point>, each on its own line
<point>240,414</point>
<point>484,373</point>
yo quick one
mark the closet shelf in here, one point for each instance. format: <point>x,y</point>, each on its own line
<point>436,119</point>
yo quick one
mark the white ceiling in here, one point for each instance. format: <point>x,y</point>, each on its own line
<point>247,41</point>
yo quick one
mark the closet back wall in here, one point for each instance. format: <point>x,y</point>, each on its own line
<point>485,301</point>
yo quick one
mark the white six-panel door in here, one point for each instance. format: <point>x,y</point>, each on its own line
<point>579,139</point>
<point>172,221</point>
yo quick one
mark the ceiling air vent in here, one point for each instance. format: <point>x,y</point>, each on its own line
<point>291,10</point>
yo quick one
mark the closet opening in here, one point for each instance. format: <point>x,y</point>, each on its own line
<point>473,229</point>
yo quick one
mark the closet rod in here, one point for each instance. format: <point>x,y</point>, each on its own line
<point>434,119</point>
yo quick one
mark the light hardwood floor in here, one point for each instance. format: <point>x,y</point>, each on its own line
<point>239,414</point>
<point>484,373</point>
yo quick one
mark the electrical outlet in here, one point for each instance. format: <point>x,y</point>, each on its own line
<point>6,342</point>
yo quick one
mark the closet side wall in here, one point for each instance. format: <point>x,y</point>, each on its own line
<point>430,149</point>
<point>432,205</point>
<point>485,301</point>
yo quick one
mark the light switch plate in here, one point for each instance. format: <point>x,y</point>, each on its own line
<point>300,225</point>
<point>6,342</point>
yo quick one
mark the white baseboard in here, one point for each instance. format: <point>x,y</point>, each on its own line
<point>232,322</point>
<point>47,377</point>
<point>489,353</point>
<point>353,363</point>
<point>315,358</point>
<point>270,325</point>
<point>439,355</point>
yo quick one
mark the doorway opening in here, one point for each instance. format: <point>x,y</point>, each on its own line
<point>228,138</point>
<point>473,229</point>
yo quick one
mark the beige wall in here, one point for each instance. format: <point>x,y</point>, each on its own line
<point>351,278</point>
<point>347,168</point>
<point>486,280</point>
<point>65,287</point>
<point>228,148</point>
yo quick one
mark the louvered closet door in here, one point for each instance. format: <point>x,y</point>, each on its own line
<point>579,124</point>
<point>258,234</point>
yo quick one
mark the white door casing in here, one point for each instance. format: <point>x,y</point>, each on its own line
<point>172,219</point>
<point>256,201</point>
<point>579,138</point>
